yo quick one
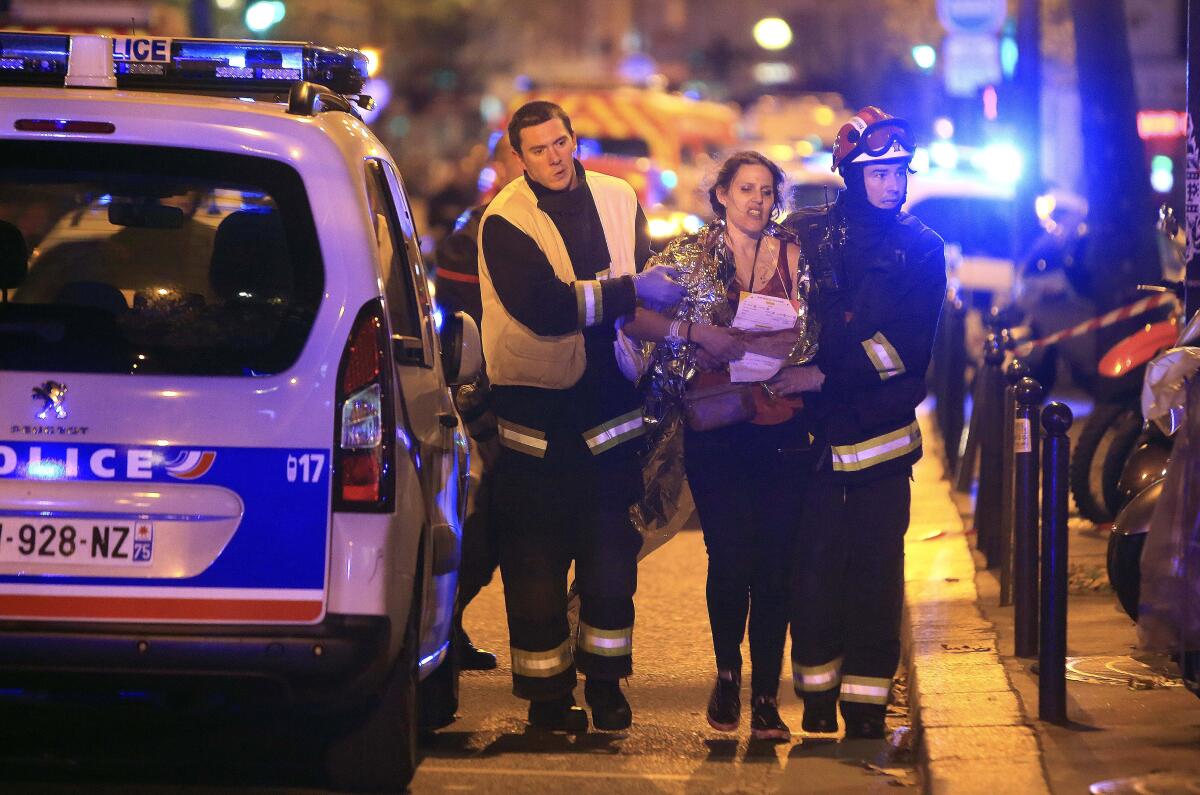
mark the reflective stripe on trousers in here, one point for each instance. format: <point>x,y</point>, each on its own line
<point>605,642</point>
<point>866,689</point>
<point>542,664</point>
<point>816,678</point>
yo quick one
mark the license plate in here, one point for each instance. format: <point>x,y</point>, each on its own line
<point>76,541</point>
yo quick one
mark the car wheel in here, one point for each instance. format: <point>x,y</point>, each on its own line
<point>378,751</point>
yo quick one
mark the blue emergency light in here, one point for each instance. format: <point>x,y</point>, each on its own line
<point>202,65</point>
<point>33,58</point>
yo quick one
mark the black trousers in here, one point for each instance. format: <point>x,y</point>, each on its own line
<point>746,482</point>
<point>480,552</point>
<point>545,517</point>
<point>848,593</point>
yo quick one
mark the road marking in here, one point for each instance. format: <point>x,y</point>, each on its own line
<point>512,771</point>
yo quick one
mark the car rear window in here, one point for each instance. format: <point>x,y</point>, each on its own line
<point>154,260</point>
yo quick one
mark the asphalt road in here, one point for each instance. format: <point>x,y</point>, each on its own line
<point>670,747</point>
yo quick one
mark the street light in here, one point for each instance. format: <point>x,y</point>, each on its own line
<point>924,56</point>
<point>262,14</point>
<point>772,33</point>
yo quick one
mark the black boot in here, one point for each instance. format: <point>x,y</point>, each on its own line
<point>558,715</point>
<point>865,728</point>
<point>725,702</point>
<point>820,713</point>
<point>610,709</point>
<point>765,723</point>
<point>471,657</point>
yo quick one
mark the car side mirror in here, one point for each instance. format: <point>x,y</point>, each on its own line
<point>14,258</point>
<point>462,349</point>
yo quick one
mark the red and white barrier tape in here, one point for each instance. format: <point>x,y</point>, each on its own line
<point>1107,319</point>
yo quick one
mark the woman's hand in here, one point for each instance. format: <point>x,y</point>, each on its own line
<point>707,362</point>
<point>791,381</point>
<point>723,344</point>
<point>775,344</point>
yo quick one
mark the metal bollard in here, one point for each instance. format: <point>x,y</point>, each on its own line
<point>953,387</point>
<point>1025,517</point>
<point>1052,662</point>
<point>991,420</point>
<point>1015,371</point>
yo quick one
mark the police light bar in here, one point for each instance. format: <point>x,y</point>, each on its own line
<point>233,65</point>
<point>33,58</point>
<point>212,65</point>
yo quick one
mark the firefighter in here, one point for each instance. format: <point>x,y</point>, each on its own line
<point>881,279</point>
<point>560,253</point>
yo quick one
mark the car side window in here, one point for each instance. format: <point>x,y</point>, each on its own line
<point>412,246</point>
<point>399,289</point>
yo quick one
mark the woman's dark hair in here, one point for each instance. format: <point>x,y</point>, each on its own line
<point>730,168</point>
<point>531,114</point>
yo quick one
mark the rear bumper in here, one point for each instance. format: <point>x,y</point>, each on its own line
<point>340,658</point>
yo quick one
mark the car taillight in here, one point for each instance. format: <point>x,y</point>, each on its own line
<point>365,424</point>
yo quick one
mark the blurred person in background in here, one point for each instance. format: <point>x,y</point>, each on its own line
<point>881,279</point>
<point>457,280</point>
<point>745,472</point>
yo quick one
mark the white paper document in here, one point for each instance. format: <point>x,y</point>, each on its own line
<point>760,313</point>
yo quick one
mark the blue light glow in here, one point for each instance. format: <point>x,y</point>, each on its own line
<point>1002,162</point>
<point>1008,56</point>
<point>262,14</point>
<point>943,154</point>
<point>1162,181</point>
<point>669,179</point>
<point>924,56</point>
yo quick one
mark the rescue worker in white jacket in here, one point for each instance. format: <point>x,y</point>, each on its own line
<point>560,252</point>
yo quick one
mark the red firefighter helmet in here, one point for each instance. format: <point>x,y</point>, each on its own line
<point>873,135</point>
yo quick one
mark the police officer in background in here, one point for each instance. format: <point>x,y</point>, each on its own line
<point>881,276</point>
<point>560,251</point>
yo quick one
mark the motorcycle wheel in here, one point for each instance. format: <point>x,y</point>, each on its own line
<point>1087,476</point>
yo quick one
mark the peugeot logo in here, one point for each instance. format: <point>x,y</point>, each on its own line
<point>51,394</point>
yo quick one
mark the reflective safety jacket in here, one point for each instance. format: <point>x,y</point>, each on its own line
<point>879,305</point>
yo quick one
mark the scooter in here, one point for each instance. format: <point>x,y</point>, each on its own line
<point>1154,546</point>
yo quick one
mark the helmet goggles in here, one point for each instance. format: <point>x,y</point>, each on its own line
<point>881,136</point>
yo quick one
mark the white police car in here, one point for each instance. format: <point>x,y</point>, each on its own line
<point>228,448</point>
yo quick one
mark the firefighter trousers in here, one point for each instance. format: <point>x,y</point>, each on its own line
<point>848,593</point>
<point>544,519</point>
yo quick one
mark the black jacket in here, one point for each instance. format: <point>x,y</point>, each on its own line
<point>879,300</point>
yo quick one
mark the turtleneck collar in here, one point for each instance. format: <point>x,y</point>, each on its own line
<point>566,200</point>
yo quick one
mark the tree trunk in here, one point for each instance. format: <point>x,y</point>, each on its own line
<point>1121,252</point>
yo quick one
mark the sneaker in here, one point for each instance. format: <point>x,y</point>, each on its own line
<point>820,716</point>
<point>558,715</point>
<point>765,723</point>
<point>610,709</point>
<point>725,703</point>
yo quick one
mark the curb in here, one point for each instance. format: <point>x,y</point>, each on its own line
<point>971,733</point>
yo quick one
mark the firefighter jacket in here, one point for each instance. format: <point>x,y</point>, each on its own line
<point>879,299</point>
<point>555,272</point>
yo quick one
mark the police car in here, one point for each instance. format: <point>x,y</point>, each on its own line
<point>228,448</point>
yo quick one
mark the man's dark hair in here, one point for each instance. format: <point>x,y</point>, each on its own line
<point>531,114</point>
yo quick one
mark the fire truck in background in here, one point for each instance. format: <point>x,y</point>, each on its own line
<point>662,144</point>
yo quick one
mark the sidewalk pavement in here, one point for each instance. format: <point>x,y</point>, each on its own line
<point>1133,727</point>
